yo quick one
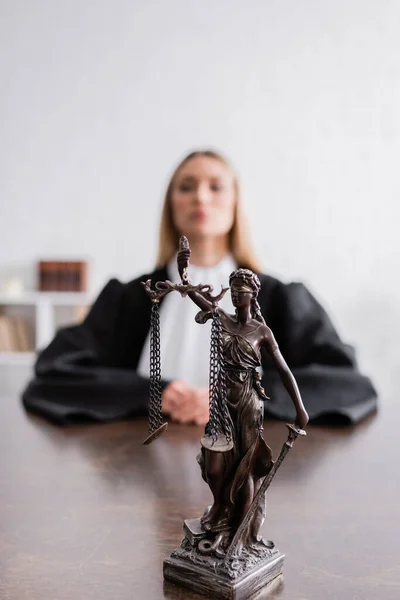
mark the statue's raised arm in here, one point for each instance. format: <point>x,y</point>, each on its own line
<point>202,294</point>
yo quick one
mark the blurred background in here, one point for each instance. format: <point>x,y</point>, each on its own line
<point>100,99</point>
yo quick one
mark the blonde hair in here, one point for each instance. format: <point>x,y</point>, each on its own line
<point>239,237</point>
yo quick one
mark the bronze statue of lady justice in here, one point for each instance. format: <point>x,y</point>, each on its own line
<point>223,554</point>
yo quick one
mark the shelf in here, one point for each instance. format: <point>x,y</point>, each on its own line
<point>46,306</point>
<point>17,358</point>
<point>55,298</point>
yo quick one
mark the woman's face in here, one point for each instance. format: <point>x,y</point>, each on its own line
<point>203,198</point>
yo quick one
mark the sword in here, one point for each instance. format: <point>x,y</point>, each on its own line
<point>294,432</point>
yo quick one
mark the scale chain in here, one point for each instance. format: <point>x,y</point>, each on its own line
<point>155,412</point>
<point>219,416</point>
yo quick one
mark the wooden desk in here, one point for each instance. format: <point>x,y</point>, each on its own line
<point>87,513</point>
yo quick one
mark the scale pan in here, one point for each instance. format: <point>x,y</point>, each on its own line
<point>221,444</point>
<point>155,434</point>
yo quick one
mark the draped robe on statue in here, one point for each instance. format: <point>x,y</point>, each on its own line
<point>250,457</point>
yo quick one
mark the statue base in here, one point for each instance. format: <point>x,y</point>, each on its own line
<point>249,575</point>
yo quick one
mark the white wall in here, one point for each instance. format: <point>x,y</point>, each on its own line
<point>100,99</point>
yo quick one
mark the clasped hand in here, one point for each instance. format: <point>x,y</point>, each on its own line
<point>185,404</point>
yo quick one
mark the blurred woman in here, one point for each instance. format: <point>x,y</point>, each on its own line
<point>98,369</point>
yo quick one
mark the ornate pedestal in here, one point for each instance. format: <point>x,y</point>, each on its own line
<point>240,579</point>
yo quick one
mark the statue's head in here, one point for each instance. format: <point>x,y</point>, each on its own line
<point>245,286</point>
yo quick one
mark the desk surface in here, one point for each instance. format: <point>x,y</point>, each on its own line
<point>88,513</point>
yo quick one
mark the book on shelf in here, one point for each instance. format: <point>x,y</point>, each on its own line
<point>62,276</point>
<point>14,334</point>
<point>22,336</point>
